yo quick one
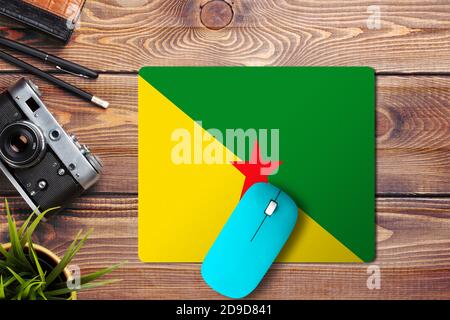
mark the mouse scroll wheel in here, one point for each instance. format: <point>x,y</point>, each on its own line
<point>271,208</point>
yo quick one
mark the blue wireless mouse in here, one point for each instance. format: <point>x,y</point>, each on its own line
<point>250,241</point>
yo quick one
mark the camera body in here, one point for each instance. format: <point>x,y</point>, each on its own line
<point>47,166</point>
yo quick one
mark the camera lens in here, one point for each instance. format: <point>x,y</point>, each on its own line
<point>21,144</point>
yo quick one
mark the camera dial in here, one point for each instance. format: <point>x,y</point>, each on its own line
<point>22,144</point>
<point>95,162</point>
<point>35,88</point>
<point>75,141</point>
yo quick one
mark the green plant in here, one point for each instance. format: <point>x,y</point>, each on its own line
<point>24,275</point>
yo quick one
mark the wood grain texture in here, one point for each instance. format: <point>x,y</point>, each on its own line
<point>413,135</point>
<point>413,131</point>
<point>116,35</point>
<point>413,253</point>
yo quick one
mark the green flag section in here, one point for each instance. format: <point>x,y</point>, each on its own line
<point>325,124</point>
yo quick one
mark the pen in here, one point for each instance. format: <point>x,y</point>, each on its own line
<point>61,64</point>
<point>74,90</point>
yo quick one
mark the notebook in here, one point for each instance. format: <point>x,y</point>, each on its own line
<point>55,17</point>
<point>203,129</point>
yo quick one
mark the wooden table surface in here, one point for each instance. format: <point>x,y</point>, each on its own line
<point>411,55</point>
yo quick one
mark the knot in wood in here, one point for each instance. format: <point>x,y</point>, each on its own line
<point>216,14</point>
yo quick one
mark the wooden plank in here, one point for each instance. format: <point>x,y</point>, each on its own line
<point>413,131</point>
<point>413,253</point>
<point>413,135</point>
<point>119,36</point>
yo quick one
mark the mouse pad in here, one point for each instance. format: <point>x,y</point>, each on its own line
<point>206,134</point>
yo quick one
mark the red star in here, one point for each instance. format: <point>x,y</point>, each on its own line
<point>256,170</point>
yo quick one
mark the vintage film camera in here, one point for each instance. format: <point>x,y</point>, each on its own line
<point>45,164</point>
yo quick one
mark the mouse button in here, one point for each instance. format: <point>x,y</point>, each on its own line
<point>285,214</point>
<point>271,207</point>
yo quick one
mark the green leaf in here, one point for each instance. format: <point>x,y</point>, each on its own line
<point>25,224</point>
<point>95,275</point>
<point>32,294</point>
<point>3,252</point>
<point>68,256</point>
<point>15,263</point>
<point>29,285</point>
<point>86,286</point>
<point>10,259</point>
<point>34,288</point>
<point>16,276</point>
<point>40,292</point>
<point>29,231</point>
<point>9,281</point>
<point>2,289</point>
<point>36,260</point>
<point>16,247</point>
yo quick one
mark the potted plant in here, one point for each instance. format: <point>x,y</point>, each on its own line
<point>32,272</point>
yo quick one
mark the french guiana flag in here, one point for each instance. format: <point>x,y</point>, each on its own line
<point>308,131</point>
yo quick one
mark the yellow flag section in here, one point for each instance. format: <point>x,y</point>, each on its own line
<point>309,242</point>
<point>183,207</point>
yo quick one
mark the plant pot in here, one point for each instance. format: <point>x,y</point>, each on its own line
<point>50,258</point>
